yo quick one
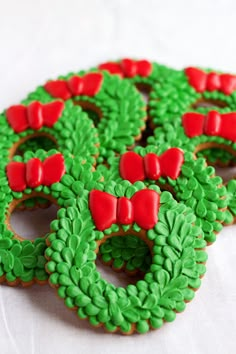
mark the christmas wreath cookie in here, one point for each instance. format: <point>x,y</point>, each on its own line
<point>190,180</point>
<point>194,90</point>
<point>114,105</point>
<point>62,122</point>
<point>44,175</point>
<point>120,209</point>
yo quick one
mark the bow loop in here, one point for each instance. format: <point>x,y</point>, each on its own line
<point>34,116</point>
<point>87,85</point>
<point>213,124</point>
<point>35,172</point>
<point>135,168</point>
<point>142,208</point>
<point>212,81</point>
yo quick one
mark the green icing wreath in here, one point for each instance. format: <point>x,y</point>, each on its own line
<point>174,135</point>
<point>122,108</point>
<point>177,264</point>
<point>23,261</point>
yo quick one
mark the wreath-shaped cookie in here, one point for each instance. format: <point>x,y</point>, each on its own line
<point>115,106</point>
<point>194,90</point>
<point>44,175</point>
<point>120,209</point>
<point>196,131</point>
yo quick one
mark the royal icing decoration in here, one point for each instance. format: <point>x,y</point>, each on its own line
<point>212,81</point>
<point>87,85</point>
<point>128,68</point>
<point>34,116</point>
<point>212,124</point>
<point>134,168</point>
<point>142,208</point>
<point>35,172</point>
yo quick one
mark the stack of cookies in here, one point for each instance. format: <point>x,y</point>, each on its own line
<point>126,151</point>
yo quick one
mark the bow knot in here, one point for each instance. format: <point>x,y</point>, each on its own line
<point>212,81</point>
<point>35,172</point>
<point>87,85</point>
<point>213,124</point>
<point>142,209</point>
<point>34,116</point>
<point>128,68</point>
<point>134,167</point>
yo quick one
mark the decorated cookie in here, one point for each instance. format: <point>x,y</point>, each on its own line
<point>115,106</point>
<point>62,122</point>
<point>194,90</point>
<point>123,209</point>
<point>50,176</point>
<point>197,131</point>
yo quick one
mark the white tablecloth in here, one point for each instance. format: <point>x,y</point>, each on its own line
<point>42,39</point>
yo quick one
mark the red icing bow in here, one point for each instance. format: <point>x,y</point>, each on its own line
<point>142,208</point>
<point>87,85</point>
<point>134,167</point>
<point>128,68</point>
<point>212,81</point>
<point>34,116</point>
<point>213,124</point>
<point>35,172</point>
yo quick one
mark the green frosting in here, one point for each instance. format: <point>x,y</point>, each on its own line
<point>24,260</point>
<point>129,253</point>
<point>122,108</point>
<point>37,143</point>
<point>197,187</point>
<point>177,264</point>
<point>231,198</point>
<point>216,156</point>
<point>174,97</point>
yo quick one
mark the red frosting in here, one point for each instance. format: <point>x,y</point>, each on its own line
<point>128,68</point>
<point>213,124</point>
<point>212,81</point>
<point>34,116</point>
<point>135,168</point>
<point>87,85</point>
<point>142,209</point>
<point>35,172</point>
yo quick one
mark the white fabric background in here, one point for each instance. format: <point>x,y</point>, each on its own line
<point>44,38</point>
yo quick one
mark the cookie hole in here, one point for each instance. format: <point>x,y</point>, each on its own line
<point>94,112</point>
<point>31,219</point>
<point>144,90</point>
<point>209,103</point>
<point>222,157</point>
<point>127,255</point>
<point>226,173</point>
<point>148,131</point>
<point>33,143</point>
